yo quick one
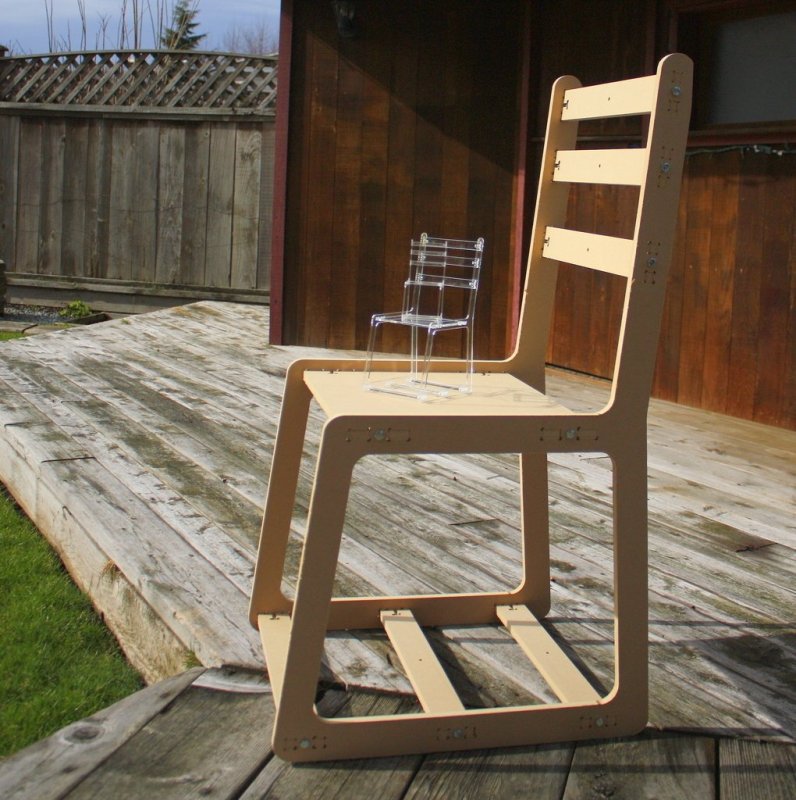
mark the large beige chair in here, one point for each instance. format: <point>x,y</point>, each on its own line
<point>506,412</point>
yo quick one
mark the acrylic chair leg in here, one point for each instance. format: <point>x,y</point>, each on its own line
<point>534,589</point>
<point>427,355</point>
<point>267,595</point>
<point>470,357</point>
<point>374,328</point>
<point>415,372</point>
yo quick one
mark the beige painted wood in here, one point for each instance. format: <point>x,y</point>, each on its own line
<point>387,779</point>
<point>617,99</point>
<point>619,167</point>
<point>506,412</point>
<point>431,684</point>
<point>275,637</point>
<point>592,250</point>
<point>547,656</point>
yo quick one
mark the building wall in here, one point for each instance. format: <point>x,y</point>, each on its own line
<point>728,339</point>
<point>412,126</point>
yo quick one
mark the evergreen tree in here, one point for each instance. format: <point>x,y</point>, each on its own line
<point>181,35</point>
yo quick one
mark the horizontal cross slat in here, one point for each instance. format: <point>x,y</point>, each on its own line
<point>619,167</point>
<point>563,677</point>
<point>619,99</point>
<point>592,250</point>
<point>431,684</point>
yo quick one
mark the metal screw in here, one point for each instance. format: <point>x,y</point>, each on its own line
<point>572,433</point>
<point>652,261</point>
<point>305,744</point>
<point>458,733</point>
<point>676,90</point>
<point>599,722</point>
<point>380,434</point>
<point>666,166</point>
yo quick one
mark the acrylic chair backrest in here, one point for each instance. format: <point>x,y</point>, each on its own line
<point>443,278</point>
<point>643,260</point>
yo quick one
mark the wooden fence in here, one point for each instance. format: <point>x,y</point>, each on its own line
<point>132,177</point>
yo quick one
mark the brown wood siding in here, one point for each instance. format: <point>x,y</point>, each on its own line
<point>413,126</point>
<point>736,320</point>
<point>155,201</point>
<point>728,341</point>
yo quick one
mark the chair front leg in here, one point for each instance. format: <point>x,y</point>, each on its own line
<point>267,595</point>
<point>314,588</point>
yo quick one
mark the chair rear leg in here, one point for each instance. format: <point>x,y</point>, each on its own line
<point>534,589</point>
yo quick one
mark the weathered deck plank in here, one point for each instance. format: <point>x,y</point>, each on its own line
<point>207,733</point>
<point>55,765</point>
<point>142,446</point>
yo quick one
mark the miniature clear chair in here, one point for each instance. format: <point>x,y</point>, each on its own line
<point>439,295</point>
<point>507,411</point>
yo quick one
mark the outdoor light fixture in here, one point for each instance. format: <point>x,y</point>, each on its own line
<point>344,12</point>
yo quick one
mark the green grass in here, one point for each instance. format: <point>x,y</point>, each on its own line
<point>5,335</point>
<point>58,661</point>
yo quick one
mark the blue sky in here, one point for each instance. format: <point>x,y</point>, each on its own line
<point>23,23</point>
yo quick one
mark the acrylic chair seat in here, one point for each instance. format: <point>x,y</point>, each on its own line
<point>507,411</point>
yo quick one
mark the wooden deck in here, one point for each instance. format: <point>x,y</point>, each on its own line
<point>206,734</point>
<point>141,447</point>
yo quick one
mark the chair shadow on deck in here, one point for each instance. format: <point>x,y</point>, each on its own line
<point>507,411</point>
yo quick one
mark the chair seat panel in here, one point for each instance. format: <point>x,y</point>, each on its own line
<point>492,395</point>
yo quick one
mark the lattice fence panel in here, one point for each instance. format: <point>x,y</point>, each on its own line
<point>142,79</point>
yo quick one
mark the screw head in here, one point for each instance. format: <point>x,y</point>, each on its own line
<point>305,744</point>
<point>666,166</point>
<point>676,90</point>
<point>380,434</point>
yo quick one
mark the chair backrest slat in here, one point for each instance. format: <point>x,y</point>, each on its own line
<point>593,250</point>
<point>617,99</point>
<point>441,265</point>
<point>618,167</point>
